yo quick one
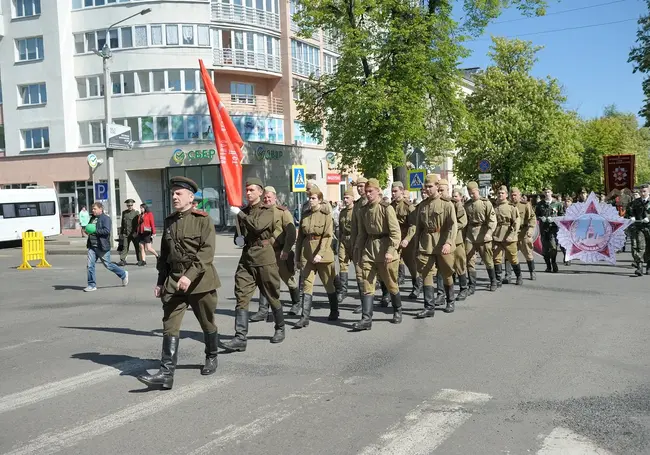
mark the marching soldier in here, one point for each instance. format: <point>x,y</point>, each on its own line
<point>527,223</point>
<point>345,243</point>
<point>285,238</point>
<point>505,236</point>
<point>436,232</point>
<point>406,219</point>
<point>639,212</point>
<point>129,232</point>
<point>186,276</point>
<point>377,240</point>
<point>258,267</point>
<point>460,255</point>
<point>546,210</point>
<point>481,221</point>
<point>354,230</point>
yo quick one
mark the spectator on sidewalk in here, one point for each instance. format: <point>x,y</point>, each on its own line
<point>84,218</point>
<point>99,247</point>
<point>146,232</point>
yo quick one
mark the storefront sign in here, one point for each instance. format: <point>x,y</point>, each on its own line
<point>334,178</point>
<point>92,161</point>
<point>180,156</point>
<point>264,153</point>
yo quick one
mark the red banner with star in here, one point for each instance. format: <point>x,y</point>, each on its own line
<point>619,172</point>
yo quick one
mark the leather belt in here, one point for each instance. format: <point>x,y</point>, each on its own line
<point>433,230</point>
<point>314,237</point>
<point>262,242</point>
<point>377,236</point>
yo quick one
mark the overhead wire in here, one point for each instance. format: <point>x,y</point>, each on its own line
<point>564,11</point>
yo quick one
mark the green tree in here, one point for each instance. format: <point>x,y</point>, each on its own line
<point>640,58</point>
<point>517,122</point>
<point>396,82</point>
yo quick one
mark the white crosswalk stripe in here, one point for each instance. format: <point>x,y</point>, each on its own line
<point>565,442</point>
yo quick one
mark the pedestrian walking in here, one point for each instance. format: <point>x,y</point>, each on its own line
<point>481,222</point>
<point>407,248</point>
<point>146,233</point>
<point>505,236</point>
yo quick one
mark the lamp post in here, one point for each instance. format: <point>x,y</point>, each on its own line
<point>106,55</point>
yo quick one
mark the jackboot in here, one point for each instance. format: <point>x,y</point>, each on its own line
<point>497,275</point>
<point>531,270</point>
<point>337,284</point>
<point>334,307</point>
<point>440,293</point>
<point>385,295</point>
<point>493,280</point>
<point>306,312</point>
<point>359,309</point>
<point>417,288</point>
<point>429,307</point>
<point>344,287</point>
<point>396,300</point>
<point>401,274</point>
<point>295,301</point>
<point>451,300</point>
<point>211,351</point>
<point>547,259</point>
<point>278,335</point>
<point>508,273</point>
<point>639,269</point>
<point>462,282</point>
<point>164,378</point>
<point>517,270</point>
<point>554,264</point>
<point>263,310</point>
<point>238,343</point>
<point>472,282</point>
<point>366,314</point>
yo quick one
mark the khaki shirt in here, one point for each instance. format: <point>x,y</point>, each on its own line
<point>527,220</point>
<point>354,230</point>
<point>379,232</point>
<point>403,210</point>
<point>257,225</point>
<point>345,227</point>
<point>481,221</point>
<point>461,220</point>
<point>436,226</point>
<point>315,235</point>
<point>284,231</point>
<point>507,222</point>
<point>187,249</point>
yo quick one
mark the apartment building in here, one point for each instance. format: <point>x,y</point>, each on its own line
<point>53,87</point>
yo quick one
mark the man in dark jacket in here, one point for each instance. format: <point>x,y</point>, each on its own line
<point>99,247</point>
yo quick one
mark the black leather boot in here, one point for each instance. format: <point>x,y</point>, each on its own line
<point>440,291</point>
<point>366,314</point>
<point>334,307</point>
<point>306,312</point>
<point>359,309</point>
<point>401,275</point>
<point>344,287</point>
<point>263,310</point>
<point>429,307</point>
<point>451,299</point>
<point>493,280</point>
<point>531,270</point>
<point>337,284</point>
<point>497,274</point>
<point>549,269</point>
<point>517,269</point>
<point>472,282</point>
<point>508,273</point>
<point>462,282</point>
<point>554,263</point>
<point>385,295</point>
<point>295,301</point>
<point>164,378</point>
<point>396,300</point>
<point>417,288</point>
<point>278,314</point>
<point>238,343</point>
<point>211,351</point>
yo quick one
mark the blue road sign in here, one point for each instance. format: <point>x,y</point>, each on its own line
<point>415,179</point>
<point>484,166</point>
<point>298,179</point>
<point>101,191</point>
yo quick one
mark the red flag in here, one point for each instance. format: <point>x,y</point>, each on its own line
<point>227,139</point>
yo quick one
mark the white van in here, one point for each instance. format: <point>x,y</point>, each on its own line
<point>31,209</point>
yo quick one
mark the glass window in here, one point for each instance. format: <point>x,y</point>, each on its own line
<point>37,138</point>
<point>203,35</point>
<point>93,86</point>
<point>162,128</point>
<point>174,80</point>
<point>178,128</point>
<point>33,94</point>
<point>190,80</point>
<point>27,209</point>
<point>188,35</point>
<point>141,36</point>
<point>127,37</point>
<point>171,32</point>
<point>30,49</point>
<point>156,35</point>
<point>81,88</point>
<point>113,40</point>
<point>128,86</point>
<point>206,128</point>
<point>84,134</point>
<point>8,210</point>
<point>147,129</point>
<point>91,43</point>
<point>158,81</point>
<point>132,122</point>
<point>117,85</point>
<point>242,93</point>
<point>79,46</point>
<point>97,132</point>
<point>101,39</point>
<point>26,8</point>
<point>76,4</point>
<point>193,126</point>
<point>46,208</point>
<point>143,80</point>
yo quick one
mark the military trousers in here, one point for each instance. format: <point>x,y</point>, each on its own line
<point>326,272</point>
<point>358,268</point>
<point>525,245</point>
<point>127,240</point>
<point>286,269</point>
<point>409,257</point>
<point>429,265</point>
<point>203,305</point>
<point>248,278</point>
<point>387,273</point>
<point>509,249</point>
<point>640,245</point>
<point>460,259</point>
<point>345,256</point>
<point>484,250</point>
<point>549,244</point>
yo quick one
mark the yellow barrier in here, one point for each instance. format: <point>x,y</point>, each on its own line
<point>33,250</point>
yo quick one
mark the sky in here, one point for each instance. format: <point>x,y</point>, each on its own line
<point>590,63</point>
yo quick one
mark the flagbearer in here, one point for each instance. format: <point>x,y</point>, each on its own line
<point>505,235</point>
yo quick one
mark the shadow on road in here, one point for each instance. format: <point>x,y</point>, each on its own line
<point>128,365</point>
<point>65,287</point>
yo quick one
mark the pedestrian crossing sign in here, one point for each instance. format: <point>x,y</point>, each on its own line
<point>298,179</point>
<point>416,179</point>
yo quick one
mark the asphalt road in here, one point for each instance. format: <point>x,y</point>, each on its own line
<point>557,366</point>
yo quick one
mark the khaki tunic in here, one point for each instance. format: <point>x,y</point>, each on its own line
<point>436,227</point>
<point>354,230</point>
<point>460,254</point>
<point>528,222</point>
<point>129,233</point>
<point>481,222</point>
<point>506,233</point>
<point>345,238</point>
<point>284,234</point>
<point>406,219</point>
<point>315,238</point>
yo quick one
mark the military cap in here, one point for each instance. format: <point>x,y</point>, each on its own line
<point>373,183</point>
<point>431,179</point>
<point>503,188</point>
<point>514,189</point>
<point>269,189</point>
<point>349,192</point>
<point>254,181</point>
<point>362,180</point>
<point>547,188</point>
<point>443,182</point>
<point>184,182</point>
<point>472,185</point>
<point>314,190</point>
<point>129,201</point>
<point>398,184</point>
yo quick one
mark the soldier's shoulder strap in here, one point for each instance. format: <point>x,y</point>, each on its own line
<point>196,212</point>
<point>171,216</point>
<point>385,204</point>
<point>282,207</point>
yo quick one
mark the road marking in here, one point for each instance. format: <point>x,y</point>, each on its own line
<point>53,442</point>
<point>565,442</point>
<point>53,389</point>
<point>14,346</point>
<point>428,425</point>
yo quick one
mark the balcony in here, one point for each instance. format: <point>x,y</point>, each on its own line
<point>305,69</point>
<point>250,60</point>
<point>254,104</point>
<point>225,12</point>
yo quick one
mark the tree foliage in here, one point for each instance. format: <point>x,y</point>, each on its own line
<point>517,122</point>
<point>396,82</point>
<point>640,58</point>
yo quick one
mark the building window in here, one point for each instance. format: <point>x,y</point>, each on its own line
<point>30,49</point>
<point>27,8</point>
<point>329,63</point>
<point>172,35</point>
<point>127,37</point>
<point>141,36</point>
<point>32,94</point>
<point>35,139</point>
<point>300,136</point>
<point>190,80</point>
<point>188,35</point>
<point>241,93</point>
<point>203,35</point>
<point>305,59</point>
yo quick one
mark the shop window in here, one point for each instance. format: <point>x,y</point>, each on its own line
<point>162,128</point>
<point>147,129</point>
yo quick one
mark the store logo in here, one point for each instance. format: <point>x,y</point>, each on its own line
<point>262,153</point>
<point>180,156</point>
<point>92,161</point>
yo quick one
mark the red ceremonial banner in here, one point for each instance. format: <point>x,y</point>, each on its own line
<point>619,172</point>
<point>228,141</point>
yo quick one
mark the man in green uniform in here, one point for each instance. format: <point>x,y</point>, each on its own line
<point>436,241</point>
<point>258,266</point>
<point>356,258</point>
<point>527,224</point>
<point>481,222</point>
<point>505,235</point>
<point>639,212</point>
<point>546,210</point>
<point>406,219</point>
<point>345,242</point>
<point>460,255</point>
<point>186,276</point>
<point>129,232</point>
<point>285,238</point>
<point>377,240</point>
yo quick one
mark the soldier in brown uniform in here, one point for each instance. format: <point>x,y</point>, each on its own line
<point>436,239</point>
<point>527,224</point>
<point>345,243</point>
<point>129,232</point>
<point>258,267</point>
<point>356,254</point>
<point>505,236</point>
<point>314,254</point>
<point>377,241</point>
<point>285,238</point>
<point>186,277</point>
<point>406,219</point>
<point>481,221</point>
<point>460,255</point>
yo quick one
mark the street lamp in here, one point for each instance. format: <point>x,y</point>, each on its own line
<point>106,55</point>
